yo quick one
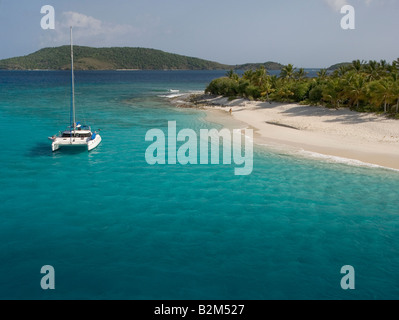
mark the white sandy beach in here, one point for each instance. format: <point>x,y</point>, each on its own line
<point>368,138</point>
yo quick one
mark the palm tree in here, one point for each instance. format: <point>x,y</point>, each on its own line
<point>381,93</point>
<point>260,77</point>
<point>283,93</point>
<point>383,65</point>
<point>248,74</point>
<point>395,64</point>
<point>395,90</point>
<point>332,93</point>
<point>267,89</point>
<point>355,90</point>
<point>287,72</point>
<point>391,69</point>
<point>274,81</point>
<point>232,75</point>
<point>322,74</point>
<point>358,65</point>
<point>372,70</point>
<point>301,74</point>
<point>341,71</point>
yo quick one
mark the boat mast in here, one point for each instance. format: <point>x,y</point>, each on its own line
<point>73,89</point>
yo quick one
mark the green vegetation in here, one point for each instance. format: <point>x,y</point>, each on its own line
<point>338,65</point>
<point>252,66</point>
<point>360,86</point>
<point>87,58</point>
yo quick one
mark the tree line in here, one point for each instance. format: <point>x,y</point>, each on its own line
<point>361,86</point>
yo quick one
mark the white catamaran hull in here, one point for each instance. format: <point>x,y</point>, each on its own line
<point>87,143</point>
<point>93,143</point>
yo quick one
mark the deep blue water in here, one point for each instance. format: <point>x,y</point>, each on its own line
<point>114,227</point>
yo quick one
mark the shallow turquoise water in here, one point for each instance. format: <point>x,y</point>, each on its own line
<point>114,227</point>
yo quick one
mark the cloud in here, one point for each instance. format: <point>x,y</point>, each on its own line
<point>89,31</point>
<point>336,5</point>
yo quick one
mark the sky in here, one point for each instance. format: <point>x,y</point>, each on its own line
<point>305,33</point>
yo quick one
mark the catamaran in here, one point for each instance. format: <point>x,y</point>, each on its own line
<point>76,135</point>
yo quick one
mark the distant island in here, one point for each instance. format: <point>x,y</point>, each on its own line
<point>339,65</point>
<point>87,58</point>
<point>124,58</point>
<point>253,66</point>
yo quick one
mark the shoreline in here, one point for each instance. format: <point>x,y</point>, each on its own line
<point>360,139</point>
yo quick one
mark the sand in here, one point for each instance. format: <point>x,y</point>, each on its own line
<point>362,137</point>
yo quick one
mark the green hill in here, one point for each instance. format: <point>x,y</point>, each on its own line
<point>254,66</point>
<point>338,65</point>
<point>87,58</point>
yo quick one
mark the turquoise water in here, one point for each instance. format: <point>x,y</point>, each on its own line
<point>114,227</point>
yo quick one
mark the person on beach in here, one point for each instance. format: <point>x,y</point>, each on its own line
<point>231,111</point>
